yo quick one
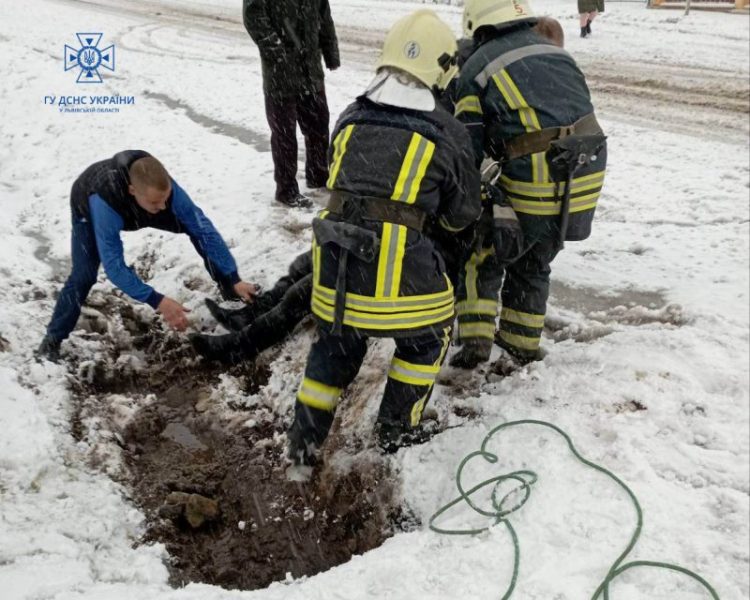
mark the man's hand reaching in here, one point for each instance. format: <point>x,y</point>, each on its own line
<point>246,291</point>
<point>174,313</point>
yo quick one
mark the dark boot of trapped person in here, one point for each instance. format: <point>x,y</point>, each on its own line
<point>263,332</point>
<point>473,352</point>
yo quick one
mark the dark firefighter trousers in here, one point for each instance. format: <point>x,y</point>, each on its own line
<point>525,289</point>
<point>334,362</point>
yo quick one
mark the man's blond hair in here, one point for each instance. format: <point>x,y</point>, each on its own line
<point>148,172</point>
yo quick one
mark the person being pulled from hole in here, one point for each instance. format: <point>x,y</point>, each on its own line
<point>526,104</point>
<point>397,157</point>
<point>130,191</point>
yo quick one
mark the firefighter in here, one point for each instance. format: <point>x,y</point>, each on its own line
<point>397,159</point>
<point>521,96</point>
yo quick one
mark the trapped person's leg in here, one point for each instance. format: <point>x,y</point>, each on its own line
<point>411,377</point>
<point>235,320</point>
<point>263,332</point>
<point>281,114</point>
<point>314,120</point>
<point>332,364</point>
<point>82,278</point>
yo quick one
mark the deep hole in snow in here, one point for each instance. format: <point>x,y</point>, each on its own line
<point>211,481</point>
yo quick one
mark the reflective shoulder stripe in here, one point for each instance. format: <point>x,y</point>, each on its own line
<point>505,60</point>
<point>469,104</point>
<point>339,149</point>
<point>418,156</point>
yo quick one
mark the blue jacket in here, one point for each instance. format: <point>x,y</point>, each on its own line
<point>108,223</point>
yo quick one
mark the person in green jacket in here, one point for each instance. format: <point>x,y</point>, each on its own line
<point>294,38</point>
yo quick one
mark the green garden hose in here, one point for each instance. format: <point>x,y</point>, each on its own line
<point>525,480</point>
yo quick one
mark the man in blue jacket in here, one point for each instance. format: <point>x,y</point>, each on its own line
<point>130,191</point>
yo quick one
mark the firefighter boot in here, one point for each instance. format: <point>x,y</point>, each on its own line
<point>392,436</point>
<point>473,352</point>
<point>229,349</point>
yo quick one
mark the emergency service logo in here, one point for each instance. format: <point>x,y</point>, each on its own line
<point>89,58</point>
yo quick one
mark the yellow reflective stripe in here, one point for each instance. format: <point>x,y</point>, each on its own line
<point>472,267</point>
<point>384,322</point>
<point>383,263</point>
<point>541,208</point>
<point>470,104</point>
<point>318,395</point>
<point>339,149</point>
<point>522,318</point>
<point>477,307</point>
<point>418,408</point>
<point>547,189</point>
<point>421,170</point>
<point>398,262</point>
<point>479,329</point>
<point>412,373</point>
<point>529,119</point>
<point>413,169</point>
<point>390,260</point>
<point>403,175</point>
<point>523,342</point>
<point>358,301</point>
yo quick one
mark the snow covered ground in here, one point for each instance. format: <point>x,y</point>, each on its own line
<point>647,363</point>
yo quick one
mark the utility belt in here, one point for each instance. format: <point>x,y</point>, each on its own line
<point>534,142</point>
<point>354,209</point>
<point>354,239</point>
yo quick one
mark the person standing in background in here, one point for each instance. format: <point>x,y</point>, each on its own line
<point>293,37</point>
<point>587,11</point>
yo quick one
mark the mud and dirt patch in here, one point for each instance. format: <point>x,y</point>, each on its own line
<point>208,470</point>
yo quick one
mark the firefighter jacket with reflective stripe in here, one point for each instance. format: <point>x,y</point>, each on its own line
<point>517,82</point>
<point>415,158</point>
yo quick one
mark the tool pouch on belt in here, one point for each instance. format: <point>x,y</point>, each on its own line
<point>564,158</point>
<point>507,234</point>
<point>362,243</point>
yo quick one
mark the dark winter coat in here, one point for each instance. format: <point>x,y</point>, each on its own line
<point>292,36</point>
<point>588,6</point>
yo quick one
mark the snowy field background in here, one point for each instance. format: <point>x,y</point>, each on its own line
<point>651,311</point>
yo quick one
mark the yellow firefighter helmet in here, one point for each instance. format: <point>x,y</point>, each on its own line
<point>423,46</point>
<point>478,13</point>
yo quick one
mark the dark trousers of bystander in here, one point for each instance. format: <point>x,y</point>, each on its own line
<point>310,110</point>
